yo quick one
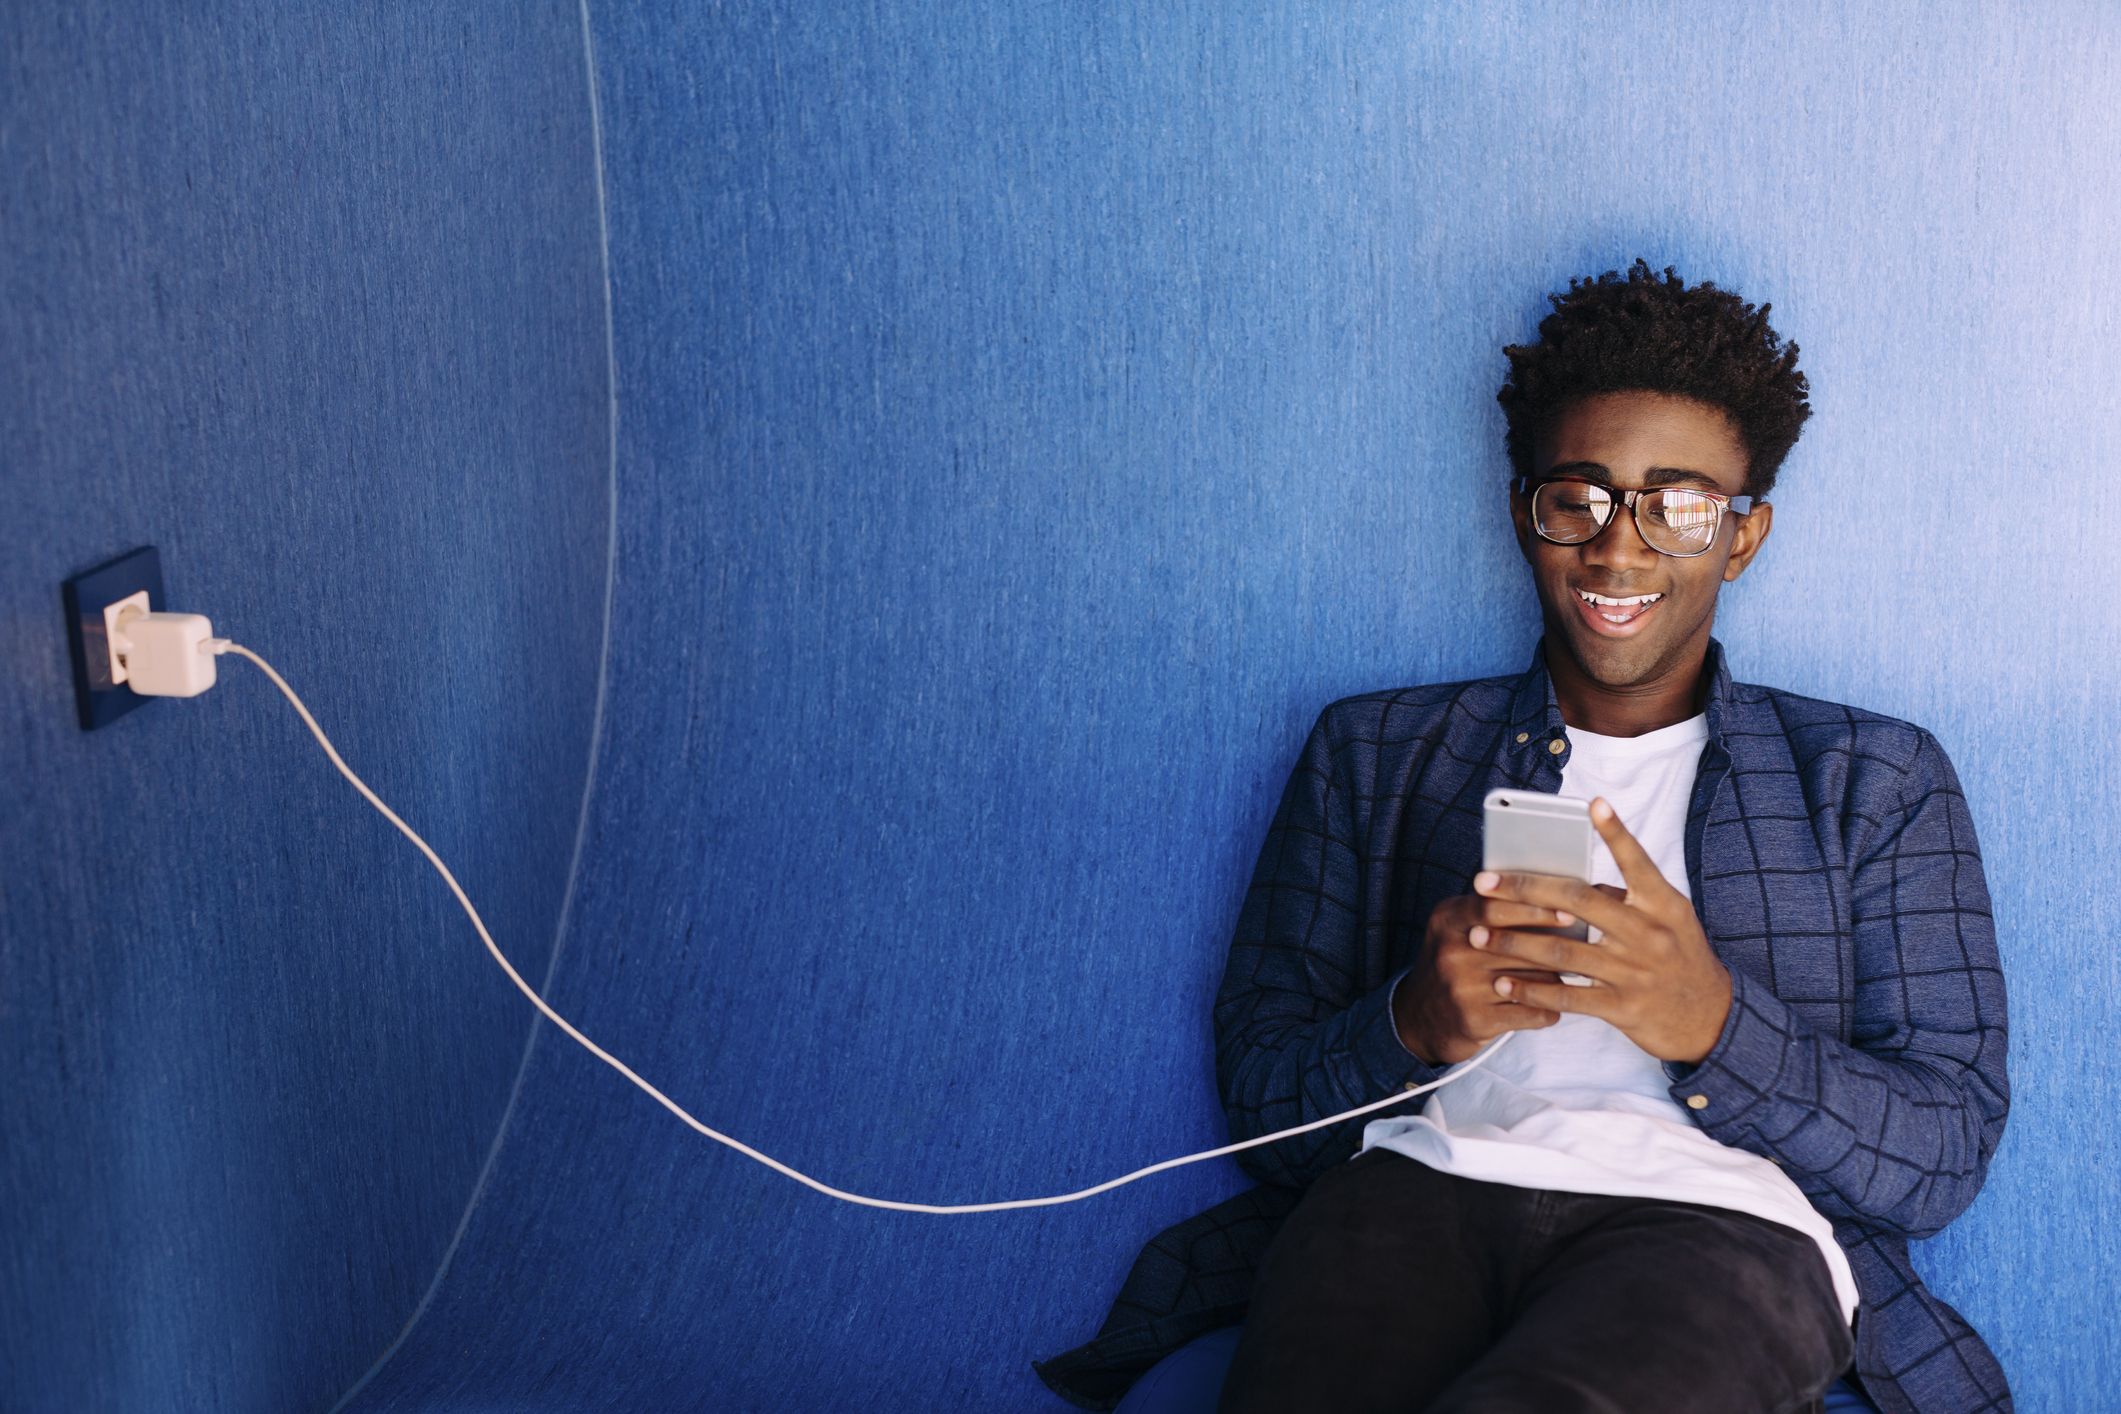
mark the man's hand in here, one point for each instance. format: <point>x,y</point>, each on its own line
<point>1448,1008</point>
<point>1657,979</point>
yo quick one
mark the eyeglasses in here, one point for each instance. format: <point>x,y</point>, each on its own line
<point>1672,520</point>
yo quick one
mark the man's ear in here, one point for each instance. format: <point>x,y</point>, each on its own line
<point>1752,532</point>
<point>1521,517</point>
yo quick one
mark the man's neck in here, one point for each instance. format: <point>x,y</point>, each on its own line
<point>1592,706</point>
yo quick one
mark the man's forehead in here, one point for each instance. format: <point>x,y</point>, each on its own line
<point>1626,437</point>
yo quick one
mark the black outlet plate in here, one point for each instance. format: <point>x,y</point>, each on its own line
<point>87,595</point>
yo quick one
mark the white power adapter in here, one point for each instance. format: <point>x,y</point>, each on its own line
<point>163,655</point>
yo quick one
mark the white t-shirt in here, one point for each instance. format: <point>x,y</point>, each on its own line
<point>1577,1107</point>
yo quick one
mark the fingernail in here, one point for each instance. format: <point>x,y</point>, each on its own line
<point>1564,918</point>
<point>1484,880</point>
<point>1600,810</point>
<point>1503,985</point>
<point>1478,936</point>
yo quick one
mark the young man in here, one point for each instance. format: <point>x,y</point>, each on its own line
<point>1690,1184</point>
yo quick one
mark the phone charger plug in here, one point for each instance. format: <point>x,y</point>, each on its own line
<point>165,655</point>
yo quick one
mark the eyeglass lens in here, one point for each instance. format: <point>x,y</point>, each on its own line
<point>1675,521</point>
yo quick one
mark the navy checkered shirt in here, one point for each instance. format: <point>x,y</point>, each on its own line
<point>1834,866</point>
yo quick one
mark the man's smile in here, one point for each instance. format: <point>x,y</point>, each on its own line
<point>1615,616</point>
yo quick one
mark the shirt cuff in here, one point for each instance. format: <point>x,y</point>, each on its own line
<point>1384,1052</point>
<point>1744,1068</point>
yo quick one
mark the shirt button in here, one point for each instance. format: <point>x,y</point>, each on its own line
<point>1524,736</point>
<point>1697,1102</point>
<point>1557,746</point>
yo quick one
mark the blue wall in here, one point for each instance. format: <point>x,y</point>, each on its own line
<point>312,299</point>
<point>1027,419</point>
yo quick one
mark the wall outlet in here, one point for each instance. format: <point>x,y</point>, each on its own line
<point>112,642</point>
<point>93,599</point>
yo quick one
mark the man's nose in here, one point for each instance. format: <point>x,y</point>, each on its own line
<point>1620,545</point>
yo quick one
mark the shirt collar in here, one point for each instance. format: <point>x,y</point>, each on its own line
<point>1535,715</point>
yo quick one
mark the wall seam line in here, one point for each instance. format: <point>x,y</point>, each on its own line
<point>596,733</point>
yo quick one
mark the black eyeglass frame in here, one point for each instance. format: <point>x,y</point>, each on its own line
<point>1528,487</point>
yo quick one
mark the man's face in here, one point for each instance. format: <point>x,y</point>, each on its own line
<point>1630,440</point>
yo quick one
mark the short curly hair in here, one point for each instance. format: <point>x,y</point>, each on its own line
<point>1653,333</point>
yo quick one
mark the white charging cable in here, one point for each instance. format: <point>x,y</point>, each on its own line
<point>157,655</point>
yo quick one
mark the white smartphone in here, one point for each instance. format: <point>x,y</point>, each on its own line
<point>1531,832</point>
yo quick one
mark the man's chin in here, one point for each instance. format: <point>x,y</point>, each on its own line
<point>1616,663</point>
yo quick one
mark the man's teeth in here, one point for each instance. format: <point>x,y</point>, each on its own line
<point>1632,599</point>
<point>1628,608</point>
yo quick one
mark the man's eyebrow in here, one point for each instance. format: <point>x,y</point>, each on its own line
<point>1655,476</point>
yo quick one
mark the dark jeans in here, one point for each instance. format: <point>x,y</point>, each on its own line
<point>1392,1287</point>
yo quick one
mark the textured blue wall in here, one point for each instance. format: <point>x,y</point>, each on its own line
<point>1029,416</point>
<point>312,298</point>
